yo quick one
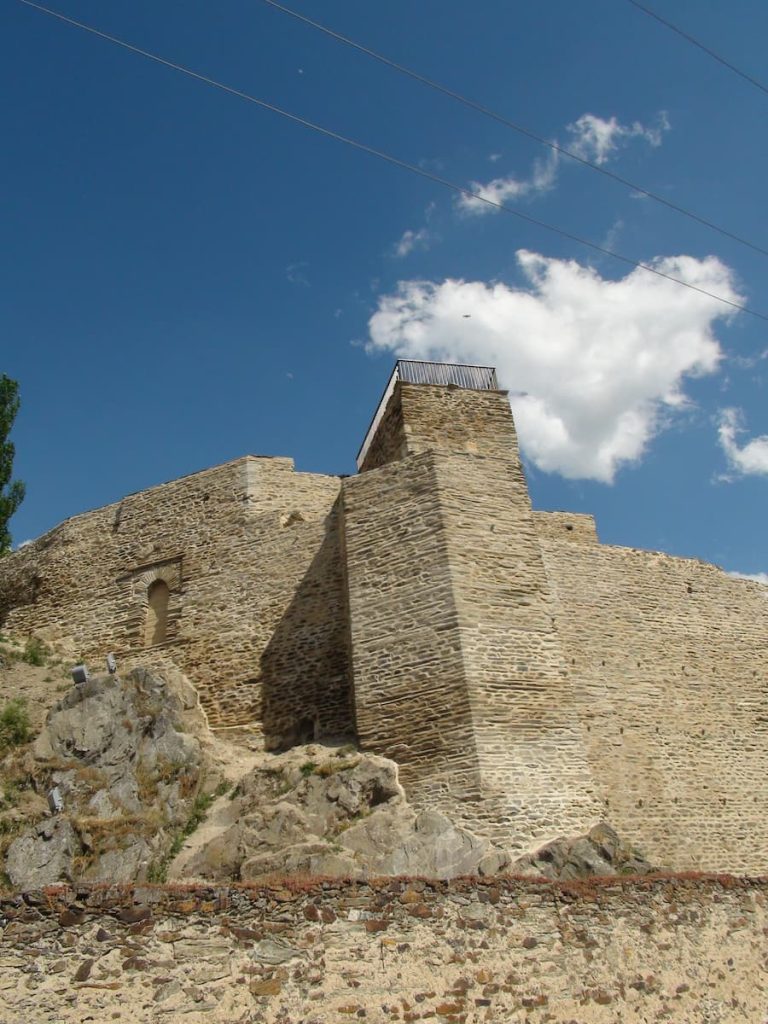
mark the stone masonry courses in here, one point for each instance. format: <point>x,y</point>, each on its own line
<point>529,680</point>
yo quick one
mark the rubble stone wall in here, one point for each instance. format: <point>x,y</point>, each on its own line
<point>457,666</point>
<point>536,779</point>
<point>411,698</point>
<point>463,952</point>
<point>669,663</point>
<point>528,680</point>
<point>573,527</point>
<point>250,553</point>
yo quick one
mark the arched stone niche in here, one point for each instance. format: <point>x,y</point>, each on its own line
<point>155,604</point>
<point>156,625</point>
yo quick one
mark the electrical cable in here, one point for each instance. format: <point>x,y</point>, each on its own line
<point>701,46</point>
<point>380,154</point>
<point>488,112</point>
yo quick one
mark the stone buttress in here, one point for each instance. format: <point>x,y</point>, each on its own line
<point>458,668</point>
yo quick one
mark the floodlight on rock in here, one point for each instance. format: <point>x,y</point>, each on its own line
<point>55,800</point>
<point>79,674</point>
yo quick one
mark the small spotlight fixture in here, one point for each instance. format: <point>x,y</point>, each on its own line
<point>55,801</point>
<point>79,674</point>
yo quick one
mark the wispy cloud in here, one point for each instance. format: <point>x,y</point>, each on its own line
<point>499,190</point>
<point>598,366</point>
<point>589,137</point>
<point>756,577</point>
<point>294,272</point>
<point>749,362</point>
<point>612,234</point>
<point>749,459</point>
<point>595,139</point>
<point>410,240</point>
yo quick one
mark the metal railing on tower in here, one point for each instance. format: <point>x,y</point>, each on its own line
<point>420,371</point>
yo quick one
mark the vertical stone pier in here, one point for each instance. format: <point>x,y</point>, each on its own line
<point>459,673</point>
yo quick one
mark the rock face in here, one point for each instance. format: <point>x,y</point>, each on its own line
<point>600,852</point>
<point>130,756</point>
<point>43,855</point>
<point>126,770</point>
<point>322,811</point>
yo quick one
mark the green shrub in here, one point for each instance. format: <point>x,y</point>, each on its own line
<point>14,725</point>
<point>308,768</point>
<point>157,873</point>
<point>158,870</point>
<point>200,806</point>
<point>35,652</point>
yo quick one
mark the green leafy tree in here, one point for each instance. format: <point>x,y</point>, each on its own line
<point>11,491</point>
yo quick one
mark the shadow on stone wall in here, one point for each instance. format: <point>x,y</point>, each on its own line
<point>20,583</point>
<point>305,668</point>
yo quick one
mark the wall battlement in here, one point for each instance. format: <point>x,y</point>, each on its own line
<point>529,680</point>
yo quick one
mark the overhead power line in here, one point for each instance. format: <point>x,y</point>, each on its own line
<point>701,46</point>
<point>501,119</point>
<point>381,155</point>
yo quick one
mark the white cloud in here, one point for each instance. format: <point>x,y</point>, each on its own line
<point>749,362</point>
<point>612,234</point>
<point>747,459</point>
<point>596,366</point>
<point>499,190</point>
<point>591,137</point>
<point>596,140</point>
<point>411,240</point>
<point>756,577</point>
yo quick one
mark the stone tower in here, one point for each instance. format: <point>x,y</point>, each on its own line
<point>458,668</point>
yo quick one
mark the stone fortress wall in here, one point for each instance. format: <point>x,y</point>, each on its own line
<point>249,552</point>
<point>528,680</point>
<point>669,662</point>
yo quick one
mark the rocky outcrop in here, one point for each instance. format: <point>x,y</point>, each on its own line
<point>324,811</point>
<point>134,765</point>
<point>601,852</point>
<point>126,770</point>
<point>43,855</point>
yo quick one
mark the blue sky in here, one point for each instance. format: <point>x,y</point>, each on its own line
<point>187,278</point>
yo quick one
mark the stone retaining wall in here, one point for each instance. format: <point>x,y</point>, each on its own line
<point>688,950</point>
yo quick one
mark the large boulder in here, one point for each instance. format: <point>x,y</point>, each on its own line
<point>326,811</point>
<point>44,855</point>
<point>601,852</point>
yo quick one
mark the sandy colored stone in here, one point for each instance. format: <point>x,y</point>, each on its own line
<point>673,948</point>
<point>529,681</point>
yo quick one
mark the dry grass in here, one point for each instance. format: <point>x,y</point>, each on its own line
<point>334,767</point>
